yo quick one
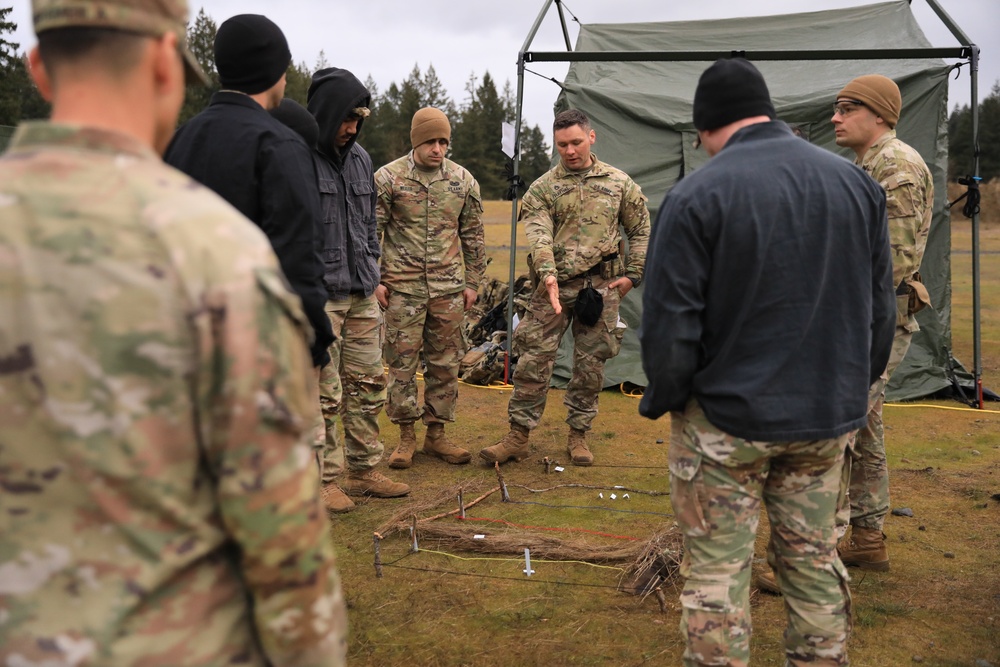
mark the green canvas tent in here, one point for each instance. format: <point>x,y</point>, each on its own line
<point>636,81</point>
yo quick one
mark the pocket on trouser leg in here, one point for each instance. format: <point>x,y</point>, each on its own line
<point>715,636</point>
<point>818,633</point>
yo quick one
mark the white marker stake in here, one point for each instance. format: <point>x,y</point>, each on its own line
<point>527,562</point>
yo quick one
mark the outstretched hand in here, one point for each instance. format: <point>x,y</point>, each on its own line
<point>552,287</point>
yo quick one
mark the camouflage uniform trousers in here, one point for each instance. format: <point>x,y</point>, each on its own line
<point>415,324</point>
<point>352,386</point>
<point>717,482</point>
<point>866,474</point>
<point>537,339</point>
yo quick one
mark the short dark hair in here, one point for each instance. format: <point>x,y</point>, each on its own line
<point>569,118</point>
<point>115,51</point>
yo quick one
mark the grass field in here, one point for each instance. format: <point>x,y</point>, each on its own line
<point>939,604</point>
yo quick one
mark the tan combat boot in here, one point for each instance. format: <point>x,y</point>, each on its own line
<point>865,549</point>
<point>514,445</point>
<point>402,456</point>
<point>767,582</point>
<point>579,453</point>
<point>436,443</point>
<point>334,499</point>
<point>373,483</point>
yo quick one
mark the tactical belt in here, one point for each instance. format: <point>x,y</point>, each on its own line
<point>595,270</point>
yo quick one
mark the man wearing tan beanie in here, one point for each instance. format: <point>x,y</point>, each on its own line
<point>429,214</point>
<point>864,118</point>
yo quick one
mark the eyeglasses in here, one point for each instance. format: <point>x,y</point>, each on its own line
<point>847,107</point>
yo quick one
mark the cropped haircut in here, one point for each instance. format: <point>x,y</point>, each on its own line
<point>113,51</point>
<point>569,118</point>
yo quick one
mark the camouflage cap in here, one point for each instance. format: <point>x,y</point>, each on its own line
<point>145,17</point>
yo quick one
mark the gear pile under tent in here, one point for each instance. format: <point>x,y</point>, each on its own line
<point>636,81</point>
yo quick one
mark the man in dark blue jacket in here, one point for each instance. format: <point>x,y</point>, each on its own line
<point>353,385</point>
<point>768,311</point>
<point>258,165</point>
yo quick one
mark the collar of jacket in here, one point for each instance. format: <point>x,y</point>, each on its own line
<point>444,172</point>
<point>876,148</point>
<point>598,169</point>
<point>235,98</point>
<point>43,133</point>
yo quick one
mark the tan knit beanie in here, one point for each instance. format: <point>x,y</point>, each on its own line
<point>429,123</point>
<point>879,93</point>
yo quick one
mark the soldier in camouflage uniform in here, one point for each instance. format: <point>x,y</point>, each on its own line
<point>571,216</point>
<point>160,502</point>
<point>761,347</point>
<point>429,214</point>
<point>864,118</point>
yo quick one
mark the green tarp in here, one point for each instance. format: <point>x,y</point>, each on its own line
<point>641,112</point>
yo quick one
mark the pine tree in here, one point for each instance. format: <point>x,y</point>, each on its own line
<point>297,80</point>
<point>201,41</point>
<point>19,98</point>
<point>960,138</point>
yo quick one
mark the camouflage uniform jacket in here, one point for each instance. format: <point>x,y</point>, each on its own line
<point>159,501</point>
<point>909,192</point>
<point>572,220</point>
<point>431,226</point>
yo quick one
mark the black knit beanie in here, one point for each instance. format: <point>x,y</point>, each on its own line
<point>251,53</point>
<point>298,118</point>
<point>730,90</point>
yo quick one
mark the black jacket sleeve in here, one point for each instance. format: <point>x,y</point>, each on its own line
<point>883,296</point>
<point>672,304</point>
<point>289,209</point>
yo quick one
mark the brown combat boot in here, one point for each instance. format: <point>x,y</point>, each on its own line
<point>334,499</point>
<point>579,453</point>
<point>767,582</point>
<point>436,443</point>
<point>514,445</point>
<point>373,483</point>
<point>402,456</point>
<point>865,549</point>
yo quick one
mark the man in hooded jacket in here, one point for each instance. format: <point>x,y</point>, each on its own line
<point>354,384</point>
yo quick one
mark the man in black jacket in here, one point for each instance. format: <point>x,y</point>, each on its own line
<point>355,377</point>
<point>768,311</point>
<point>257,164</point>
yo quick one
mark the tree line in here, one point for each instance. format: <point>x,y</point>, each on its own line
<point>960,150</point>
<point>475,122</point>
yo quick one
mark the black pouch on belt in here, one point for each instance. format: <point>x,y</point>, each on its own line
<point>589,305</point>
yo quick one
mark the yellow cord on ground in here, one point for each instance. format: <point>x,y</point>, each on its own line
<point>521,560</point>
<point>940,407</point>
<point>638,394</point>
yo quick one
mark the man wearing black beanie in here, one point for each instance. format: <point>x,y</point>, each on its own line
<point>257,164</point>
<point>761,346</point>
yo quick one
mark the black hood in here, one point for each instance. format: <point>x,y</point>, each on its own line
<point>333,93</point>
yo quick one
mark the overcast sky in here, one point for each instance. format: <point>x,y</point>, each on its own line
<point>385,38</point>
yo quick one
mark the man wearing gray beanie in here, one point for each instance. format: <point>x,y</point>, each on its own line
<point>761,346</point>
<point>864,119</point>
<point>257,164</point>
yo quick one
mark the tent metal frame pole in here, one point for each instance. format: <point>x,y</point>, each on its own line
<point>562,22</point>
<point>967,51</point>
<point>977,341</point>
<point>962,52</point>
<point>515,172</point>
